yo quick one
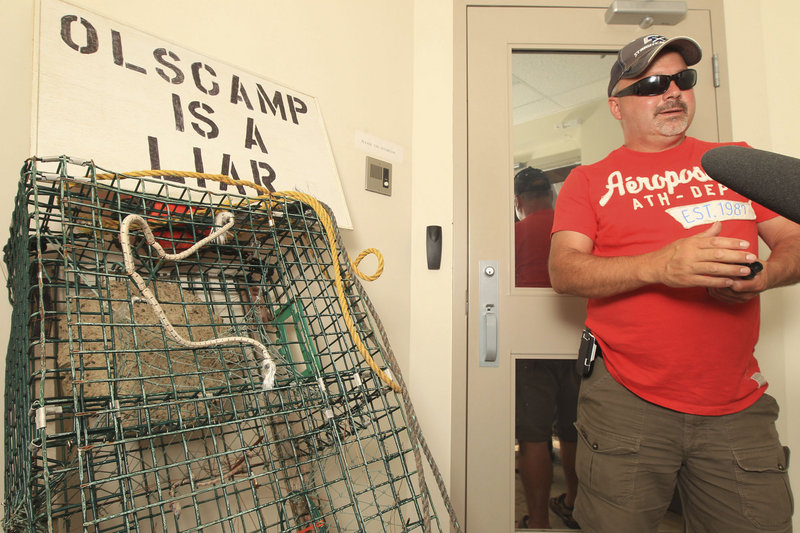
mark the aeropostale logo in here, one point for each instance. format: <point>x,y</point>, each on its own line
<point>659,188</point>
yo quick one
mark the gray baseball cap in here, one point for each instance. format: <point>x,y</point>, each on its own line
<point>637,55</point>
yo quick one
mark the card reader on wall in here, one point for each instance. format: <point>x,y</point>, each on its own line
<point>433,246</point>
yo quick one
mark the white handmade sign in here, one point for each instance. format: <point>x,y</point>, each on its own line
<point>132,101</point>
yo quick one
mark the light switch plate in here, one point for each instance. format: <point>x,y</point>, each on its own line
<point>379,176</point>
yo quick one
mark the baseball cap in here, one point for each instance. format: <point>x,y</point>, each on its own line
<point>637,55</point>
<point>530,179</point>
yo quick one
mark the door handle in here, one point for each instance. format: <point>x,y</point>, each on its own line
<point>488,289</point>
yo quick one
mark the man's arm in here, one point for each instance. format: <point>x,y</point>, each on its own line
<point>703,260</point>
<point>782,268</point>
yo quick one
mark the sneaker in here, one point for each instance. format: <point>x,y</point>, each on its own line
<point>564,512</point>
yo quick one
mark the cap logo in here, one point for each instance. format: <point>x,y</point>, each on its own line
<point>655,38</point>
<point>650,41</point>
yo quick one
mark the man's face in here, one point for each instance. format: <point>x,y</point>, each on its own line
<point>653,123</point>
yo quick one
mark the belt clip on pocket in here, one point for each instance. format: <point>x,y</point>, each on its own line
<point>586,353</point>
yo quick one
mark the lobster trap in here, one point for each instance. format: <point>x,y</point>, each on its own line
<point>189,360</point>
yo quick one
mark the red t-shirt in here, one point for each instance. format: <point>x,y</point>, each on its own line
<point>532,249</point>
<point>678,348</point>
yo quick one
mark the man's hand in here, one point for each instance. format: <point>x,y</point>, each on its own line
<point>703,260</point>
<point>740,292</point>
<point>782,268</point>
<point>743,290</point>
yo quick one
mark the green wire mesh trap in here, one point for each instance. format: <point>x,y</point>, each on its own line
<point>117,422</point>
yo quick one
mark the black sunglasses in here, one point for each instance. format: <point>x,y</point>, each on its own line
<point>659,83</point>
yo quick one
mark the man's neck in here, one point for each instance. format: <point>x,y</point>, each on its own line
<point>652,145</point>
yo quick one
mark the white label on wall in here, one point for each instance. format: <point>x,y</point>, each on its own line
<point>379,148</point>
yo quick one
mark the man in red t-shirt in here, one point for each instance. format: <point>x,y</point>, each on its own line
<point>533,203</point>
<point>664,255</point>
<point>546,389</point>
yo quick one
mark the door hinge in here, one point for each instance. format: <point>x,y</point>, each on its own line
<point>715,69</point>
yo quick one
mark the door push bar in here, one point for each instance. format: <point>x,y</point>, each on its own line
<point>488,289</point>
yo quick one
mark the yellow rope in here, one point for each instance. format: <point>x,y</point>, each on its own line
<point>361,256</point>
<point>325,219</point>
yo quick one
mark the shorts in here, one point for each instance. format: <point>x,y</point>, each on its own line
<point>730,470</point>
<point>546,391</point>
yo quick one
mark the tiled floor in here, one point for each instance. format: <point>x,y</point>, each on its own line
<point>672,523</point>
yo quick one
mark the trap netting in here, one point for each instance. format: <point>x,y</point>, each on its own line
<point>189,360</point>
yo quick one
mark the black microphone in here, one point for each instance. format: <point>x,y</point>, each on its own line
<point>772,180</point>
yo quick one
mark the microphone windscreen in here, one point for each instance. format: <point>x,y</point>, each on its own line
<point>770,179</point>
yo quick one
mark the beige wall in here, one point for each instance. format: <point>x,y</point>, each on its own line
<point>763,51</point>
<point>430,335</point>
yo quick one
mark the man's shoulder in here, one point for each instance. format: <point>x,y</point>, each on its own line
<point>536,218</point>
<point>713,144</point>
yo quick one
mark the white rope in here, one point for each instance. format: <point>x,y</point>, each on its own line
<point>222,223</point>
